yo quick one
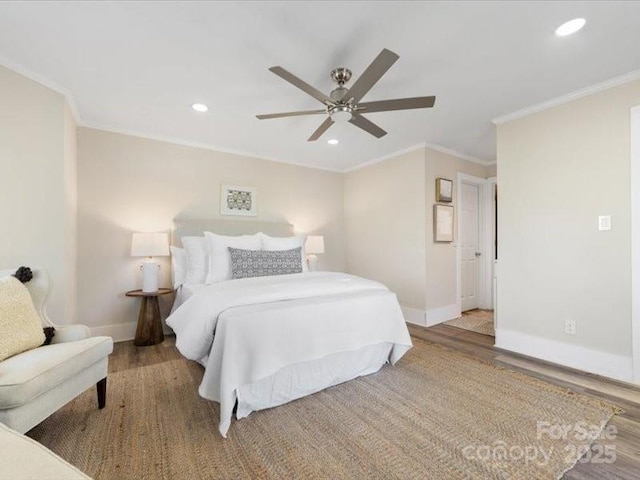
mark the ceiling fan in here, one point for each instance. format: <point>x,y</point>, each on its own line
<point>343,104</point>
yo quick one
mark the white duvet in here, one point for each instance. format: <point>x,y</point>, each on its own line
<point>264,324</point>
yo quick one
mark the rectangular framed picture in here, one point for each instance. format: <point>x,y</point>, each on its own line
<point>237,200</point>
<point>443,223</point>
<point>444,190</point>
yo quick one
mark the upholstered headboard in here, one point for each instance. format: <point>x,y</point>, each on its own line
<point>188,227</point>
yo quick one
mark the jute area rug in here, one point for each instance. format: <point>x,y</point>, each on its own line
<point>479,321</point>
<point>438,414</point>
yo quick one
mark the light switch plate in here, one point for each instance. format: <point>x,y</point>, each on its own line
<point>604,222</point>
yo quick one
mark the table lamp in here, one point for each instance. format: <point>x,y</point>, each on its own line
<point>150,245</point>
<point>313,247</point>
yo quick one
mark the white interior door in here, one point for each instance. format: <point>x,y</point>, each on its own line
<point>470,246</point>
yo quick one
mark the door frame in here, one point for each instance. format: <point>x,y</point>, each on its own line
<point>485,222</point>
<point>492,185</point>
<point>634,133</point>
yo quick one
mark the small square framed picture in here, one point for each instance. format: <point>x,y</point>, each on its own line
<point>237,200</point>
<point>444,190</point>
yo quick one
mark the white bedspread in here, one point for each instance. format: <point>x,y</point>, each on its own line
<point>265,324</point>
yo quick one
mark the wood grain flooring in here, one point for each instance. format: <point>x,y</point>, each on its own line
<point>627,442</point>
<point>478,321</point>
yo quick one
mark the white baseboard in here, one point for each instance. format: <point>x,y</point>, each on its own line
<point>442,314</point>
<point>415,316</point>
<point>593,361</point>
<point>120,332</point>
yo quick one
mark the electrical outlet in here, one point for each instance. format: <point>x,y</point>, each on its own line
<point>570,326</point>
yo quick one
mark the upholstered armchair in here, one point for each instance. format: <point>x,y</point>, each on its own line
<point>36,383</point>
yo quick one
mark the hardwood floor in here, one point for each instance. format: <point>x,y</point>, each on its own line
<point>627,442</point>
<point>478,321</point>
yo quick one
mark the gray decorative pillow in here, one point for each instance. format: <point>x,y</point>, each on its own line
<point>260,263</point>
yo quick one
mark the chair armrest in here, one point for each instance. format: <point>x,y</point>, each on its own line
<point>71,333</point>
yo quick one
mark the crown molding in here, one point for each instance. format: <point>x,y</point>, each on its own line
<point>203,146</point>
<point>66,93</point>
<point>397,153</point>
<point>36,77</point>
<point>413,148</point>
<point>583,92</point>
<point>455,153</point>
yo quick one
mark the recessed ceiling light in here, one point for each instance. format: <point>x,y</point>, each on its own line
<point>199,107</point>
<point>333,141</point>
<point>572,26</point>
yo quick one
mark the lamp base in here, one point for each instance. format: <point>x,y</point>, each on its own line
<point>150,271</point>
<point>312,262</point>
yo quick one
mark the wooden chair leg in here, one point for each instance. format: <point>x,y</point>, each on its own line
<point>101,387</point>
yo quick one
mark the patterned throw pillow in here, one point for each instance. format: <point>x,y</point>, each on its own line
<point>261,263</point>
<point>20,325</point>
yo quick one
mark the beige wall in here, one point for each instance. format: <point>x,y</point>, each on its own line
<point>389,228</point>
<point>441,266</point>
<point>559,169</point>
<point>385,225</point>
<point>37,180</point>
<point>129,184</point>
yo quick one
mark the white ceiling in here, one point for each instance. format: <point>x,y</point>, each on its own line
<point>138,66</point>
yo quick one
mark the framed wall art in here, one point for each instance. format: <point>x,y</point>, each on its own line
<point>444,190</point>
<point>236,200</point>
<point>443,223</point>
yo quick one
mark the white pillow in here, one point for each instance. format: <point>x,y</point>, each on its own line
<point>219,257</point>
<point>179,266</point>
<point>286,243</point>
<point>197,259</point>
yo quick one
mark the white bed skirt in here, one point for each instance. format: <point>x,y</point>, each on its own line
<point>280,338</point>
<point>302,379</point>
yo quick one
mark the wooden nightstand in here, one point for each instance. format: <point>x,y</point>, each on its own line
<point>149,331</point>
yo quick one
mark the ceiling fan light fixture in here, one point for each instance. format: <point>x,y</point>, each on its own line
<point>343,105</point>
<point>572,26</point>
<point>333,141</point>
<point>341,113</point>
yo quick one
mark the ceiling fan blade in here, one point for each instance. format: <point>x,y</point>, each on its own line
<point>397,104</point>
<point>367,125</point>
<point>371,75</point>
<point>302,85</point>
<point>321,129</point>
<point>289,114</point>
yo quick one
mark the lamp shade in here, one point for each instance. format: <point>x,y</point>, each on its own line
<point>150,245</point>
<point>315,244</point>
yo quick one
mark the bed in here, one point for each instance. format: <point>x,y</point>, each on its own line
<point>265,341</point>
